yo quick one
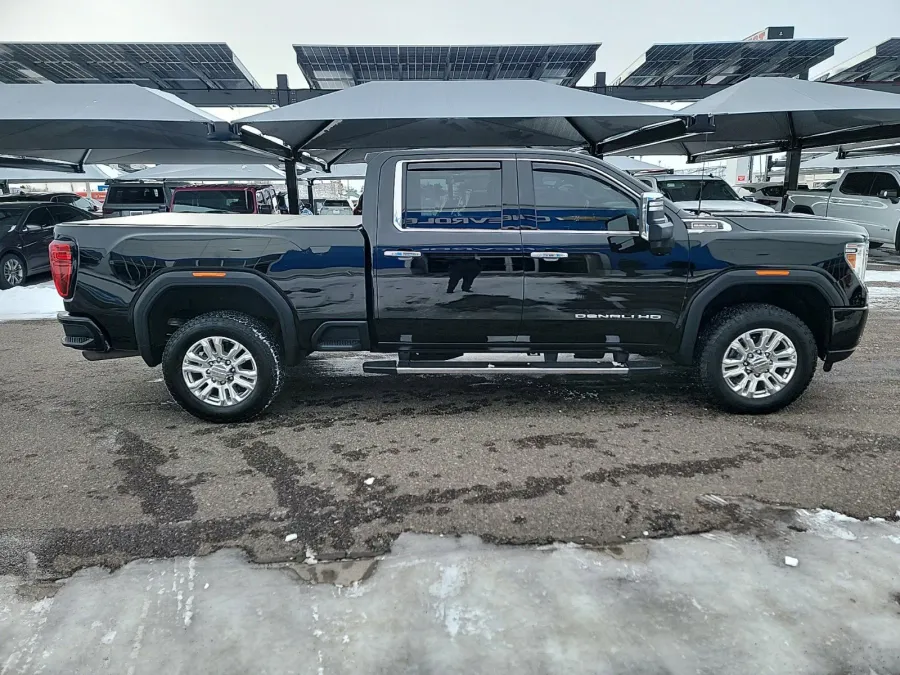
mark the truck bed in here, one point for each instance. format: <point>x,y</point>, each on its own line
<point>313,261</point>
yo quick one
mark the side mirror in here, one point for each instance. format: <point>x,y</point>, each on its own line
<point>654,227</point>
<point>748,198</point>
<point>31,227</point>
<point>890,194</point>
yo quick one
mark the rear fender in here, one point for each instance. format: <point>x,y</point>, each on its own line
<point>268,293</point>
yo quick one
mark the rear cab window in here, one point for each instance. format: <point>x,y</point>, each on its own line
<point>136,194</point>
<point>204,200</point>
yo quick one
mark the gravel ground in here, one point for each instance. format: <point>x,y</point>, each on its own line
<point>101,467</point>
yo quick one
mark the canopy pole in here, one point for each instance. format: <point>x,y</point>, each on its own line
<point>310,197</point>
<point>791,172</point>
<point>293,190</point>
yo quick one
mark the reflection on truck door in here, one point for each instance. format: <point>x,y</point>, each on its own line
<point>589,275</point>
<point>448,269</point>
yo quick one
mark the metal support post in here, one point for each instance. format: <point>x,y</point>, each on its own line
<point>293,190</point>
<point>791,173</point>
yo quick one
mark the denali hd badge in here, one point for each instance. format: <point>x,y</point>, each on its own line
<point>637,317</point>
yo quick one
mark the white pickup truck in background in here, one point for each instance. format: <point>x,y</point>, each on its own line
<point>867,196</point>
<point>693,192</point>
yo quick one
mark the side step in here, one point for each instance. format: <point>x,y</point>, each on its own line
<point>506,367</point>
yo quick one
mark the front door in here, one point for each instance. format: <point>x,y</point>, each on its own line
<point>37,233</point>
<point>590,277</point>
<point>448,270</point>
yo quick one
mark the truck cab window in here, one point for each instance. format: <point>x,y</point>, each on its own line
<point>857,183</point>
<point>460,199</point>
<point>570,200</point>
<point>884,181</point>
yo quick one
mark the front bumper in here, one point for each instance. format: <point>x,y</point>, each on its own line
<point>847,325</point>
<point>82,333</point>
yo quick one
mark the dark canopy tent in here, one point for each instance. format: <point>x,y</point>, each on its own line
<point>67,125</point>
<point>769,114</point>
<point>347,124</point>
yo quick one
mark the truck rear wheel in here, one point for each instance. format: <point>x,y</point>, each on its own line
<point>223,367</point>
<point>755,358</point>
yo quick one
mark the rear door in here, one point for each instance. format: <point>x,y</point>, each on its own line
<point>449,264</point>
<point>848,199</point>
<point>590,278</point>
<point>37,233</point>
<point>134,200</point>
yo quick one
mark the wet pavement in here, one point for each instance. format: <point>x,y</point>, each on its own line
<point>101,467</point>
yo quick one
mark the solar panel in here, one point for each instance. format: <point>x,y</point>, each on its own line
<point>339,67</point>
<point>158,65</point>
<point>725,62</point>
<point>879,64</point>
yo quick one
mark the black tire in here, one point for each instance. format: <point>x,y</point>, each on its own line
<point>249,332</point>
<point>896,240</point>
<point>8,258</point>
<point>727,326</point>
<point>876,244</point>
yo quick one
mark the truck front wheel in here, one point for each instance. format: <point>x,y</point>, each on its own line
<point>223,367</point>
<point>755,358</point>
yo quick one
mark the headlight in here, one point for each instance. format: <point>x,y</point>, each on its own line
<point>857,256</point>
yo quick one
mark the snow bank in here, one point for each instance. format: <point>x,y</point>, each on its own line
<point>40,301</point>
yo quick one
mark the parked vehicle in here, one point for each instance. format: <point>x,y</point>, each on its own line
<point>335,207</point>
<point>692,192</point>
<point>869,197</point>
<point>26,230</point>
<point>85,204</point>
<point>497,251</point>
<point>224,199</point>
<point>770,194</point>
<point>136,198</point>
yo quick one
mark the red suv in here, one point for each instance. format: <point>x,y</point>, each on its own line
<point>224,199</point>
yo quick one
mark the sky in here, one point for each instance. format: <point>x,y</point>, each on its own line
<point>261,34</point>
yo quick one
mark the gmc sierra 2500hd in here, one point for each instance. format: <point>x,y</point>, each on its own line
<point>519,252</point>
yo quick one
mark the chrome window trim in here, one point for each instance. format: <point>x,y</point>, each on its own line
<point>398,194</point>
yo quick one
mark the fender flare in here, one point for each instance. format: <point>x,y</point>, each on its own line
<point>143,304</point>
<point>690,323</point>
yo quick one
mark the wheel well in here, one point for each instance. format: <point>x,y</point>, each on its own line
<point>806,302</point>
<point>179,304</point>
<point>18,254</point>
<point>803,209</point>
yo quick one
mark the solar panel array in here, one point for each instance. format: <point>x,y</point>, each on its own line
<point>726,63</point>
<point>339,67</point>
<point>880,64</point>
<point>159,65</point>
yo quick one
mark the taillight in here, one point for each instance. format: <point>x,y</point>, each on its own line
<point>857,256</point>
<point>62,266</point>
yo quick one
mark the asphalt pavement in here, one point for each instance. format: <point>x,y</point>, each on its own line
<point>100,466</point>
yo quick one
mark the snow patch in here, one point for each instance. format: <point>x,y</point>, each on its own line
<point>824,523</point>
<point>40,301</point>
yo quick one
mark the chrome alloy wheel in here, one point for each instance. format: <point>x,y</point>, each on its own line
<point>13,272</point>
<point>759,363</point>
<point>219,371</point>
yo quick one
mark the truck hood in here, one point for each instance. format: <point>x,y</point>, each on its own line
<point>794,222</point>
<point>726,206</point>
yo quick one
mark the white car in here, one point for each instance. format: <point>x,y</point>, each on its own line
<point>702,193</point>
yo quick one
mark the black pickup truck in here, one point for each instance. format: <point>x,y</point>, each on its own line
<point>527,255</point>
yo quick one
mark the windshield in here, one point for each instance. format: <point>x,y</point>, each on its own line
<point>212,201</point>
<point>689,190</point>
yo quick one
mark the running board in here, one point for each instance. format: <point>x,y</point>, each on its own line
<point>505,368</point>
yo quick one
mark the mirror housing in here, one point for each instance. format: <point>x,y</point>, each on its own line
<point>30,227</point>
<point>893,195</point>
<point>653,225</point>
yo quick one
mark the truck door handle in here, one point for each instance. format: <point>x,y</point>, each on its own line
<point>403,254</point>
<point>549,255</point>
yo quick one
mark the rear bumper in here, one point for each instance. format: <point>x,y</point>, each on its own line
<point>847,327</point>
<point>82,333</point>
